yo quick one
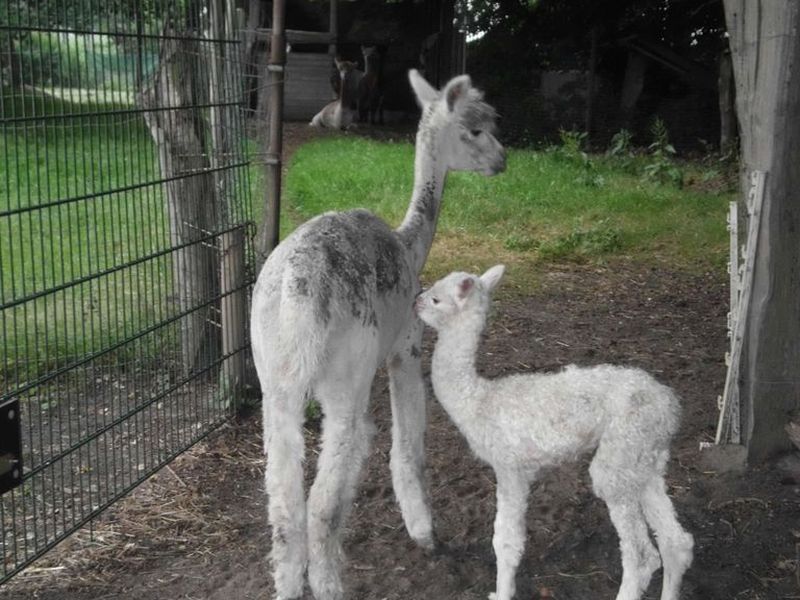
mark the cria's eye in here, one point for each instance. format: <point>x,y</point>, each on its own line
<point>435,300</point>
<point>475,132</point>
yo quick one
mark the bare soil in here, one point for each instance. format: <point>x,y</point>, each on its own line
<point>197,530</point>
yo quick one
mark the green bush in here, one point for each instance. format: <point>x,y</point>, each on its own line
<point>80,61</point>
<point>661,167</point>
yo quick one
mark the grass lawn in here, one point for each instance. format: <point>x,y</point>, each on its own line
<point>546,207</point>
<point>52,162</point>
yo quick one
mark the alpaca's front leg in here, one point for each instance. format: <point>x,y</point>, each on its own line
<point>407,391</point>
<point>509,531</point>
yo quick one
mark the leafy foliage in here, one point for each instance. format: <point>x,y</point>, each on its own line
<point>572,149</point>
<point>661,166</point>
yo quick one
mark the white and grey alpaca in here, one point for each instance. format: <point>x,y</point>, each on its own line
<point>522,424</point>
<point>332,303</point>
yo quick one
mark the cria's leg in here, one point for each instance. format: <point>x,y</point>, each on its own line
<point>509,532</point>
<point>407,392</point>
<point>618,480</point>
<point>284,445</point>
<point>674,543</point>
<point>639,557</point>
<point>347,431</point>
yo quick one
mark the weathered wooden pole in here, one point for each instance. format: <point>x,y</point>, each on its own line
<point>333,28</point>
<point>765,52</point>
<point>223,86</point>
<point>270,235</point>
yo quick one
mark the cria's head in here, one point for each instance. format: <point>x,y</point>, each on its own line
<point>460,124</point>
<point>455,295</point>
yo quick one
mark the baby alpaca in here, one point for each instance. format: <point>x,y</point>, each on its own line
<point>524,423</point>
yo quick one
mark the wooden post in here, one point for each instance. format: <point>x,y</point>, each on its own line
<point>234,312</point>
<point>333,28</point>
<point>765,50</point>
<point>270,235</point>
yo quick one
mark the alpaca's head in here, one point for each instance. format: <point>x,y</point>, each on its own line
<point>345,67</point>
<point>458,295</point>
<point>369,53</point>
<point>461,124</point>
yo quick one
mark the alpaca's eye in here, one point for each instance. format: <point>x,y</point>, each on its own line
<point>435,300</point>
<point>475,132</point>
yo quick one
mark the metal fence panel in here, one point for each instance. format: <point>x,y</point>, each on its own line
<point>116,356</point>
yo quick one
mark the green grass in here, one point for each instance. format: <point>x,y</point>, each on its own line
<point>41,249</point>
<point>544,208</point>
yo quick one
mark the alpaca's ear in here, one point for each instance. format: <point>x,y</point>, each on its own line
<point>493,276</point>
<point>456,90</point>
<point>465,287</point>
<point>423,90</point>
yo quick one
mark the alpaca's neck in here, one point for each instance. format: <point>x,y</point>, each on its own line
<point>419,224</point>
<point>455,379</point>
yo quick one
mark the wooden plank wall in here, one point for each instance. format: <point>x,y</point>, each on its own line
<point>308,86</point>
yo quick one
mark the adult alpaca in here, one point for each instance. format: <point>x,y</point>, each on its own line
<point>370,96</point>
<point>331,304</point>
<point>340,113</point>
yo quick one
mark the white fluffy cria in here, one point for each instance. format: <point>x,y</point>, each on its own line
<point>524,423</point>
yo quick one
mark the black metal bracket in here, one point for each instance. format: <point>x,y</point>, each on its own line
<point>10,447</point>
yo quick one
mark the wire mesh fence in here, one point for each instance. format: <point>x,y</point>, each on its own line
<point>125,245</point>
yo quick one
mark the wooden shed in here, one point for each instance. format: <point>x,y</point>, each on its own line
<point>308,86</point>
<point>418,34</point>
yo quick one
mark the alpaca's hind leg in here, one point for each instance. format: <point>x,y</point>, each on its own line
<point>346,434</point>
<point>407,392</point>
<point>284,445</point>
<point>674,543</point>
<point>615,482</point>
<point>509,532</point>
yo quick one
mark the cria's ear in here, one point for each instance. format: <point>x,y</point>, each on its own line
<point>456,90</point>
<point>493,276</point>
<point>465,287</point>
<point>423,90</point>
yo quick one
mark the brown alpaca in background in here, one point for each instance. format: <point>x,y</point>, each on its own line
<point>370,96</point>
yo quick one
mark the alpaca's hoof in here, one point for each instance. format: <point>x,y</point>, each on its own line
<point>429,543</point>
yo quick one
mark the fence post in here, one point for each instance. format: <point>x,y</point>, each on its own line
<point>234,311</point>
<point>270,234</point>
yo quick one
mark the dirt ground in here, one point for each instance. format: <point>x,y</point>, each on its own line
<point>197,530</point>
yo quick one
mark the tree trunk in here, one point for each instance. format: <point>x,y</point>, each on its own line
<point>727,108</point>
<point>189,191</point>
<point>632,87</point>
<point>591,82</point>
<point>765,48</point>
